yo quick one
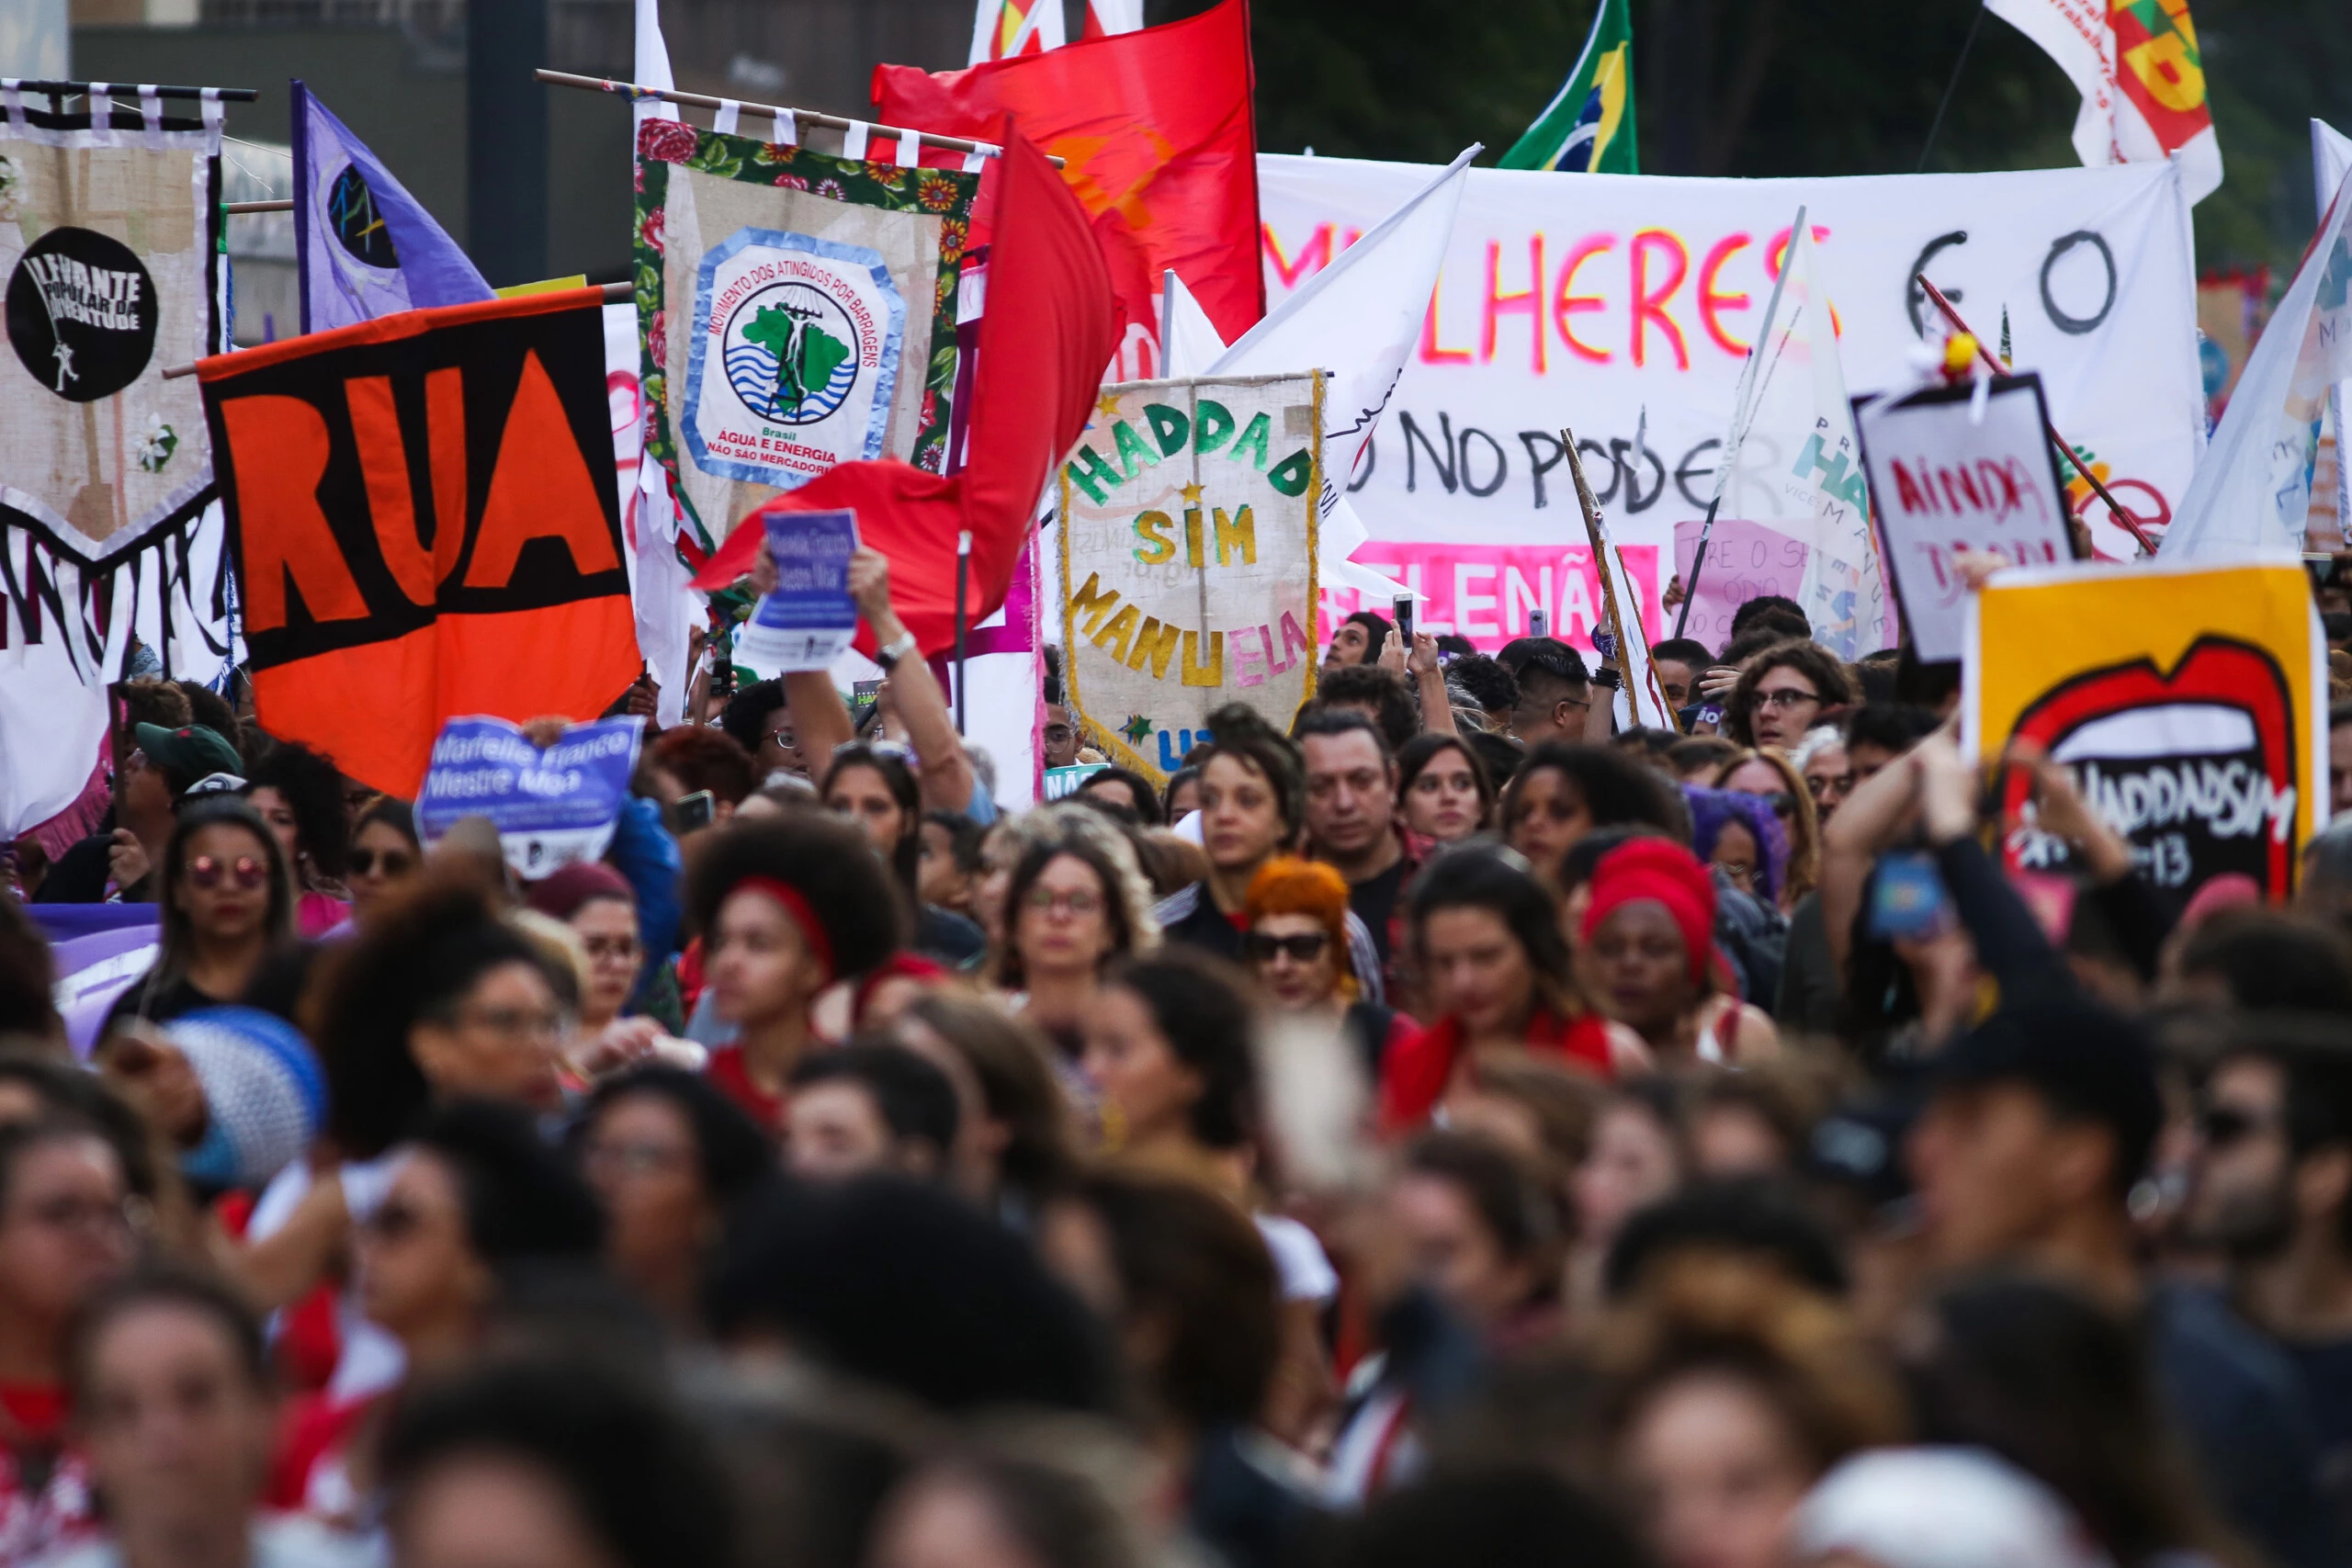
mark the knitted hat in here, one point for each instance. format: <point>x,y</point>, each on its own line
<point>265,1095</point>
<point>1663,872</point>
<point>580,883</point>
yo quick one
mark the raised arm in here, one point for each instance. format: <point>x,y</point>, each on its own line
<point>946,771</point>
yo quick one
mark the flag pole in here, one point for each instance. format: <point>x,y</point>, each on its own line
<point>1936,125</point>
<point>1691,589</point>
<point>2123,520</point>
<point>963,576</point>
<point>1596,532</point>
<point>804,117</point>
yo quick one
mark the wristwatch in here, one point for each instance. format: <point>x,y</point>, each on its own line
<point>897,647</point>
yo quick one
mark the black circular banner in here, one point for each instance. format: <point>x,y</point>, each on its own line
<point>359,227</point>
<point>82,314</point>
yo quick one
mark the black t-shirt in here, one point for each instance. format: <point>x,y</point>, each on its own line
<point>947,936</point>
<point>79,875</point>
<point>158,1002</point>
<point>1374,901</point>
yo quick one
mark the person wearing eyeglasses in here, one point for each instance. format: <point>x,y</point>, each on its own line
<point>384,853</point>
<point>669,1156</point>
<point>226,902</point>
<point>66,1232</point>
<point>1772,778</point>
<point>1077,901</point>
<point>475,1197</point>
<point>760,722</point>
<point>1563,792</point>
<point>1783,691</point>
<point>1297,948</point>
<point>600,906</point>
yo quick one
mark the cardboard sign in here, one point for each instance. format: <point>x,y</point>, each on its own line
<point>424,525</point>
<point>550,807</point>
<point>1188,559</point>
<point>1744,561</point>
<point>2191,703</point>
<point>1062,782</point>
<point>808,621</point>
<point>1954,467</point>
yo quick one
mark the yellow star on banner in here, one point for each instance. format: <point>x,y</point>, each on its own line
<point>1191,494</point>
<point>1107,405</point>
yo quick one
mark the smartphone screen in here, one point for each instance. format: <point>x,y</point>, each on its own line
<point>1405,622</point>
<point>694,811</point>
<point>1908,897</point>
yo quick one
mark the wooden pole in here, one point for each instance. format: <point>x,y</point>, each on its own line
<point>2123,519</point>
<point>240,209</point>
<point>614,293</point>
<point>1596,532</point>
<point>807,117</point>
<point>131,91</point>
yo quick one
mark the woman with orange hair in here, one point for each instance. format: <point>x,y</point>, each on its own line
<point>1297,946</point>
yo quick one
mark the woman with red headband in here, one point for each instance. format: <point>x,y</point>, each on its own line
<point>786,907</point>
<point>1648,958</point>
<point>1487,945</point>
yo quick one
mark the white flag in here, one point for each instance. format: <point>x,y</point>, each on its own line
<point>1356,320</point>
<point>1189,344</point>
<point>2253,490</point>
<point>1793,463</point>
<point>651,68</point>
<point>2141,77</point>
<point>1107,19</point>
<point>1003,29</point>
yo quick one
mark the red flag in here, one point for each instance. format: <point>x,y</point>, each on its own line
<point>1156,135</point>
<point>1048,330</point>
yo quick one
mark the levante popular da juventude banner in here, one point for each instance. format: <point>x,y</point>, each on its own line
<point>1188,559</point>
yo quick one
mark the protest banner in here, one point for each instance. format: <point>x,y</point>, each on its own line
<point>551,805</point>
<point>2190,701</point>
<point>1965,466</point>
<point>1062,782</point>
<point>798,311</point>
<point>1188,560</point>
<point>367,629</point>
<point>810,619</point>
<point>110,258</point>
<point>2141,75</point>
<point>1744,561</point>
<point>1592,302</point>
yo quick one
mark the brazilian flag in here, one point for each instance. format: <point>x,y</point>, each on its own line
<point>1588,126</point>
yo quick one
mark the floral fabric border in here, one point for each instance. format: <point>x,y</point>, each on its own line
<point>947,193</point>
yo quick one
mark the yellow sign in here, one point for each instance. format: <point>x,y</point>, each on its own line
<point>2188,701</point>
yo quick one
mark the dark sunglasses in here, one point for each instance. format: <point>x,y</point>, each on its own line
<point>205,872</point>
<point>1303,948</point>
<point>2222,1125</point>
<point>1783,803</point>
<point>363,862</point>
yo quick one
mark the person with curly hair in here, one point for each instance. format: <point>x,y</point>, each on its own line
<point>1782,692</point>
<point>1726,1392</point>
<point>299,793</point>
<point>1077,902</point>
<point>1563,791</point>
<point>690,759</point>
<point>785,906</point>
<point>876,789</point>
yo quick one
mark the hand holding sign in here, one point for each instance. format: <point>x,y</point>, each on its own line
<point>554,798</point>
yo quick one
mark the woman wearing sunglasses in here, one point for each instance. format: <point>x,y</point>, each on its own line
<point>384,853</point>
<point>1298,947</point>
<point>226,903</point>
<point>1771,777</point>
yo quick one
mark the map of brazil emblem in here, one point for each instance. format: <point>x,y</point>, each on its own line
<point>794,357</point>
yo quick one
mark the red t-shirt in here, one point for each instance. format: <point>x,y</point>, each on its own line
<point>1414,1075</point>
<point>38,1410</point>
<point>726,1069</point>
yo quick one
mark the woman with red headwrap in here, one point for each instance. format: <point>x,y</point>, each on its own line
<point>785,906</point>
<point>1648,958</point>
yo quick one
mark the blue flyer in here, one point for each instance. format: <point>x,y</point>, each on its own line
<point>550,807</point>
<point>810,619</point>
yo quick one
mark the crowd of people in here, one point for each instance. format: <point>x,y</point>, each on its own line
<point>1446,1128</point>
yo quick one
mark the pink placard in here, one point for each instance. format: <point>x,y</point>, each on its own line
<point>1744,561</point>
<point>1486,593</point>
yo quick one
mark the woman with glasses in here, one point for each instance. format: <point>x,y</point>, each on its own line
<point>1563,792</point>
<point>1772,778</point>
<point>1445,790</point>
<point>669,1156</point>
<point>1076,900</point>
<point>599,905</point>
<point>66,1232</point>
<point>384,853</point>
<point>1783,691</point>
<point>1740,838</point>
<point>1297,948</point>
<point>226,902</point>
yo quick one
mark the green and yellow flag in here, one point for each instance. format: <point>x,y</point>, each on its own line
<point>1589,125</point>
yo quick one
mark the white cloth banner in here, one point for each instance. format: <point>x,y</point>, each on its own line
<point>1589,302</point>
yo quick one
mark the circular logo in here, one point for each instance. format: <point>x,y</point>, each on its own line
<point>791,354</point>
<point>82,314</point>
<point>358,227</point>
